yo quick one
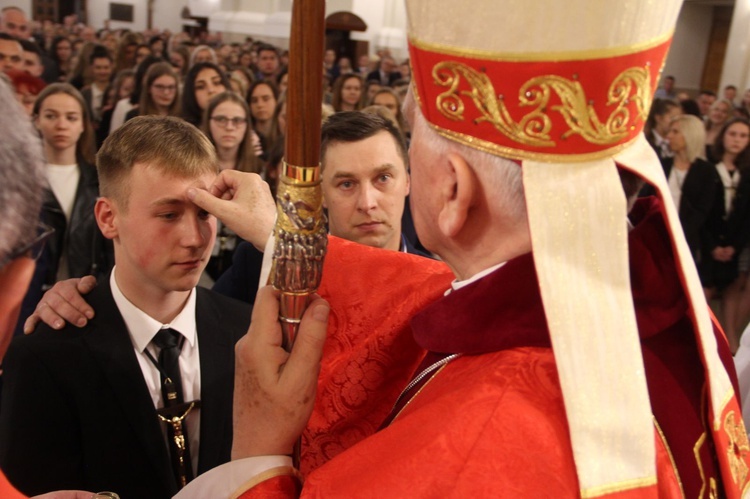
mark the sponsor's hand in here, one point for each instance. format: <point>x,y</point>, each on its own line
<point>63,303</point>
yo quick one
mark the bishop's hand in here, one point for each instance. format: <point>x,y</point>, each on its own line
<point>274,391</point>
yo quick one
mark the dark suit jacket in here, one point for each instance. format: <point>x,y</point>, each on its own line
<point>392,77</point>
<point>698,193</point>
<point>76,412</point>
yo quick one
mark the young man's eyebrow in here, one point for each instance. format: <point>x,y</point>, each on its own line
<point>167,201</point>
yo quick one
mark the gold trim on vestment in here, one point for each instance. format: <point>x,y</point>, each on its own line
<point>267,475</point>
<point>669,453</point>
<point>719,411</point>
<point>737,447</point>
<point>636,483</point>
<point>568,55</point>
<point>696,453</point>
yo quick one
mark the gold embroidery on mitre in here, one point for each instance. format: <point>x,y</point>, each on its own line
<point>534,128</point>
<point>737,448</point>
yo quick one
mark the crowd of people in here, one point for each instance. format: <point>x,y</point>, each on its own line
<point>546,352</point>
<point>704,147</point>
<point>79,85</point>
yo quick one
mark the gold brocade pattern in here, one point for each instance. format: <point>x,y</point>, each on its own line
<point>534,128</point>
<point>737,448</point>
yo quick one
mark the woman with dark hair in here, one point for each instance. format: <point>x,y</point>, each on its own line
<point>689,106</point>
<point>657,125</point>
<point>124,106</point>
<point>77,248</point>
<point>119,89</point>
<point>263,96</point>
<point>61,53</point>
<point>347,93</point>
<point>727,257</point>
<point>80,76</point>
<point>226,124</point>
<point>160,93</point>
<point>142,51</point>
<point>203,81</point>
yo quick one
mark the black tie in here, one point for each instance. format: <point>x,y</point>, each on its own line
<point>170,342</point>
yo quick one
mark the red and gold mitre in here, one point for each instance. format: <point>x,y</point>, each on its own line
<point>564,88</point>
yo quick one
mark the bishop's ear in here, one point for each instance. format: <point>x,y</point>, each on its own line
<point>106,217</point>
<point>457,190</point>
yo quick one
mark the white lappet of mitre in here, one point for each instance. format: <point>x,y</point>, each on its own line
<point>564,87</point>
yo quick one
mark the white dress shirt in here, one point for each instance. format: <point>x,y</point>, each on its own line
<point>142,330</point>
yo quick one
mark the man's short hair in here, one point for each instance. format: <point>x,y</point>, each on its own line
<point>168,144</point>
<point>29,46</point>
<point>21,175</point>
<point>353,126</point>
<point>6,36</point>
<point>267,47</point>
<point>100,52</point>
<point>730,87</point>
<point>710,93</point>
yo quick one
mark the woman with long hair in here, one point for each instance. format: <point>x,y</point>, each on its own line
<point>727,257</point>
<point>126,48</point>
<point>61,52</point>
<point>657,126</point>
<point>120,88</point>
<point>263,96</point>
<point>81,75</point>
<point>690,178</point>
<point>124,106</point>
<point>347,93</point>
<point>77,248</point>
<point>203,81</point>
<point>390,100</point>
<point>226,122</point>
<point>160,93</point>
<point>179,56</point>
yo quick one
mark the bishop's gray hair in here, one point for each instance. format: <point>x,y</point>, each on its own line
<point>501,177</point>
<point>21,174</point>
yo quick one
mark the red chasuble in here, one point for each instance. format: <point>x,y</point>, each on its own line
<point>492,422</point>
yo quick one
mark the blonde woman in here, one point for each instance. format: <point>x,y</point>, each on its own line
<point>690,177</point>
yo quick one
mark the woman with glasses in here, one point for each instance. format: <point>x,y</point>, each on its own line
<point>160,93</point>
<point>226,124</point>
<point>77,247</point>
